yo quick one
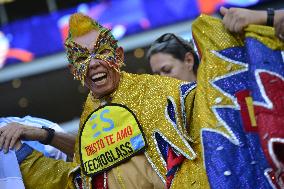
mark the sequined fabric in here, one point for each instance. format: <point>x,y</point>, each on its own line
<point>233,157</point>
<point>266,72</point>
<point>146,96</point>
<point>80,57</point>
<point>42,172</point>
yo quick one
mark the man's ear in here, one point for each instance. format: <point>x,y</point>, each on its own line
<point>120,53</point>
<point>189,61</point>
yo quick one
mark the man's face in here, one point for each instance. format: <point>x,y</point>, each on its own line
<point>101,78</point>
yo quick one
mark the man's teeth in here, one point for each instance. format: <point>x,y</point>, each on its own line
<point>98,75</point>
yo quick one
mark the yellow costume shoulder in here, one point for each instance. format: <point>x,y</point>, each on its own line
<point>159,105</point>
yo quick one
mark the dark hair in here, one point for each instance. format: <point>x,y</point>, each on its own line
<point>176,46</point>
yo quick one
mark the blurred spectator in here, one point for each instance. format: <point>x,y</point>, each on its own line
<point>10,175</point>
<point>29,121</point>
<point>172,56</point>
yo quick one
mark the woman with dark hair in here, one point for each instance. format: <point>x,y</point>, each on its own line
<point>172,56</point>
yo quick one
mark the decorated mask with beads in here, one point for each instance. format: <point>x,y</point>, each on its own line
<point>104,47</point>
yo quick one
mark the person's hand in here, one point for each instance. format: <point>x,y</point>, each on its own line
<point>279,28</point>
<point>236,19</point>
<point>18,145</point>
<point>13,132</point>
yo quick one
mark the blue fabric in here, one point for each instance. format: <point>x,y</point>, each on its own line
<point>185,87</point>
<point>137,142</point>
<point>235,161</point>
<point>23,152</point>
<point>162,145</point>
<point>10,174</point>
<point>264,58</point>
<point>37,146</point>
<point>237,54</point>
<point>8,163</point>
<point>171,111</point>
<point>234,166</point>
<point>30,119</point>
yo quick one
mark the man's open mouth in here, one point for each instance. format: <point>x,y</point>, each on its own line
<point>99,78</point>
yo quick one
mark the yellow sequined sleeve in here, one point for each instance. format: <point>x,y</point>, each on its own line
<point>46,173</point>
<point>193,130</point>
<point>192,173</point>
<point>208,38</point>
<point>39,171</point>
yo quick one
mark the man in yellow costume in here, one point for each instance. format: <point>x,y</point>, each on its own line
<point>133,131</point>
<point>143,131</point>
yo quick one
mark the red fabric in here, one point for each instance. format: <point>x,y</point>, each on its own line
<point>273,178</point>
<point>172,161</point>
<point>98,182</point>
<point>270,122</point>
